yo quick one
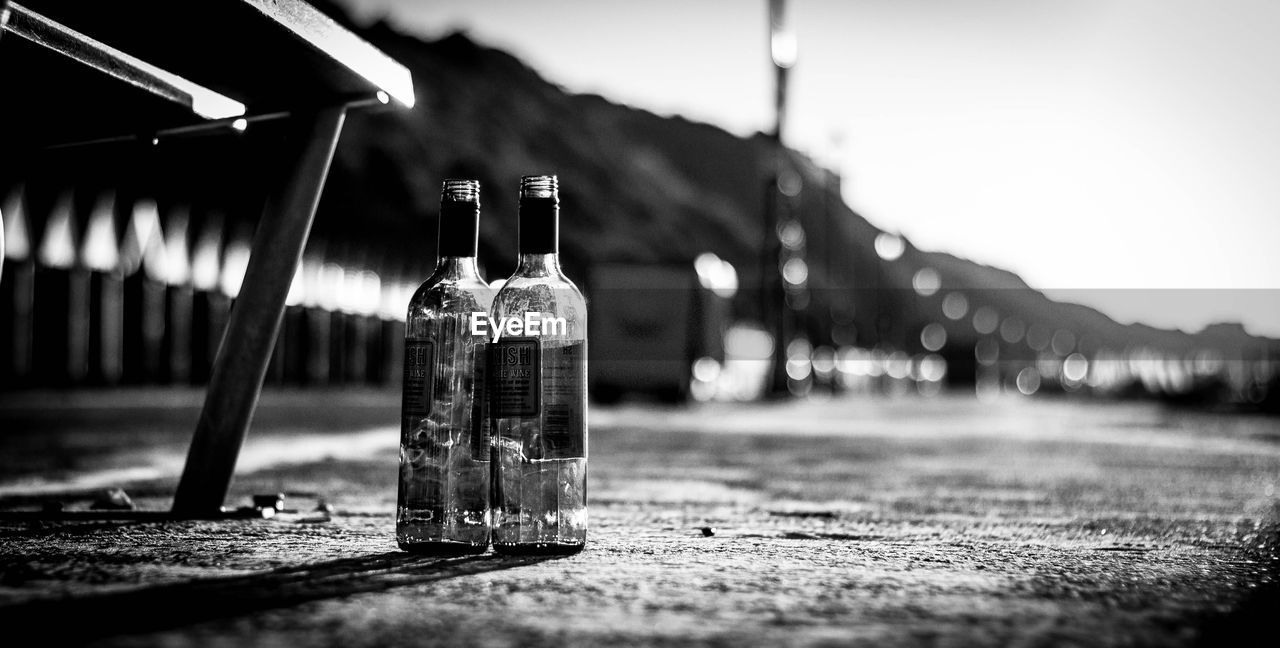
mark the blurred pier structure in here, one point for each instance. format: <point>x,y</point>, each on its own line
<point>108,283</point>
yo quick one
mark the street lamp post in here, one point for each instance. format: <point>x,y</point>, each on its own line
<point>776,293</point>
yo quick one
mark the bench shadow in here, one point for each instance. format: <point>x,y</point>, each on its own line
<point>164,607</point>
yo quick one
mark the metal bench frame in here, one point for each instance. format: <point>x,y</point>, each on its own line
<point>249,338</point>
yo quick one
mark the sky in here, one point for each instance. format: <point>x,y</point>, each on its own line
<point>1124,154</point>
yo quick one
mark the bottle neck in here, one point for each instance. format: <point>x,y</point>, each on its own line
<point>539,226</point>
<point>539,265</point>
<point>455,268</point>
<point>459,229</point>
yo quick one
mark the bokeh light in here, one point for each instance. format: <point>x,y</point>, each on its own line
<point>933,368</point>
<point>933,337</point>
<point>206,267</point>
<point>985,320</point>
<point>791,234</point>
<point>824,361</point>
<point>1012,330</point>
<point>790,183</point>
<point>234,263</point>
<point>898,365</point>
<point>795,271</point>
<point>716,275</point>
<point>890,247</point>
<point>1075,368</point>
<point>926,282</point>
<point>1038,337</point>
<point>1063,342</point>
<point>986,352</point>
<point>706,369</point>
<point>955,305</point>
<point>17,243</point>
<point>58,248</point>
<point>1028,381</point>
<point>100,250</point>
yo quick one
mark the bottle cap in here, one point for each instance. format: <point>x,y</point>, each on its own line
<point>539,186</point>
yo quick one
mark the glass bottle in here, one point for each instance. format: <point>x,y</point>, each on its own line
<point>443,501</point>
<point>538,391</point>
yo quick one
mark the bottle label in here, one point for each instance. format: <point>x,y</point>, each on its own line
<point>480,407</point>
<point>419,378</point>
<point>514,377</point>
<point>564,429</point>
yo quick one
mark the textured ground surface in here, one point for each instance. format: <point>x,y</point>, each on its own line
<point>877,522</point>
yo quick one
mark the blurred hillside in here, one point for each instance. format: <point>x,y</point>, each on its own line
<point>640,187</point>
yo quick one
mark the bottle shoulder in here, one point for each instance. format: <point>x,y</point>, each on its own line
<point>546,296</point>
<point>551,289</point>
<point>448,295</point>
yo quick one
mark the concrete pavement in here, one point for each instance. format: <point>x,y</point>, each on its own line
<point>895,522</point>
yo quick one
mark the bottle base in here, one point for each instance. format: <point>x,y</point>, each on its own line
<point>443,548</point>
<point>537,548</point>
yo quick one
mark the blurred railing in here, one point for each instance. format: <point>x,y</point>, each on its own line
<point>91,302</point>
<point>100,289</point>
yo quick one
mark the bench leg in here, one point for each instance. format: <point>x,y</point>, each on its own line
<point>250,335</point>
